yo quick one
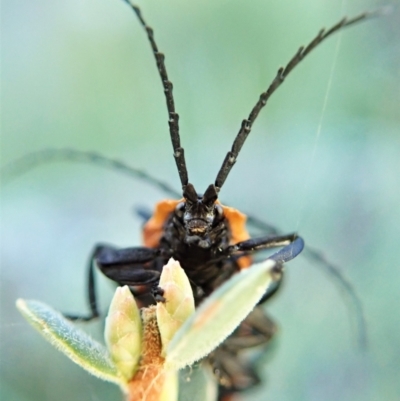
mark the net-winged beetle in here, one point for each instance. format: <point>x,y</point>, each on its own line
<point>209,239</point>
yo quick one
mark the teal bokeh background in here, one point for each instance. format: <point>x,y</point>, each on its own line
<point>80,74</point>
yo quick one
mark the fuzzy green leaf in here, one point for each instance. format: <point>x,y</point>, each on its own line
<point>220,314</point>
<point>70,340</point>
<point>197,384</point>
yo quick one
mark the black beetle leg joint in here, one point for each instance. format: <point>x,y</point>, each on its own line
<point>157,293</point>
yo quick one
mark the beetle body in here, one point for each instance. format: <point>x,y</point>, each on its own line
<point>198,236</point>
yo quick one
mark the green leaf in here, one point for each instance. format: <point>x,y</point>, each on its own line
<point>220,314</point>
<point>197,384</point>
<point>70,340</point>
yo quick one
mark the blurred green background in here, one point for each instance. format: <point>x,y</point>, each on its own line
<point>80,74</point>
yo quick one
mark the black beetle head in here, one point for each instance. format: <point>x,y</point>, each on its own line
<point>200,214</point>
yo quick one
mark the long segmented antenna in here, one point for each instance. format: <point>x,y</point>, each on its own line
<point>173,121</point>
<point>283,72</point>
<point>35,159</point>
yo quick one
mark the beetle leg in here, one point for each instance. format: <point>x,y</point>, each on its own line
<point>92,299</point>
<point>158,294</point>
<point>265,242</point>
<point>231,367</point>
<point>292,243</point>
<point>289,252</point>
<point>292,246</point>
<point>136,267</point>
<point>233,374</point>
<point>256,329</point>
<point>125,266</point>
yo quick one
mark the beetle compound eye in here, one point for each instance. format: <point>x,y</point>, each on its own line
<point>180,209</point>
<point>219,212</point>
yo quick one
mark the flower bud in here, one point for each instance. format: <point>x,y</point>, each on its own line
<point>179,301</point>
<point>123,332</point>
